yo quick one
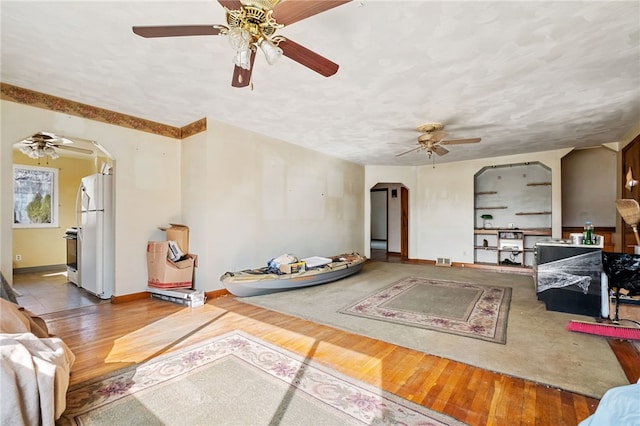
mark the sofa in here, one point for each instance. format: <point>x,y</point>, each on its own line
<point>34,366</point>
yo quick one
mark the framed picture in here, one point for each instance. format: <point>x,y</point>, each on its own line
<point>35,197</point>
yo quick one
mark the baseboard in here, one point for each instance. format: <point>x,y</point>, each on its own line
<point>130,297</point>
<point>496,268</point>
<point>45,268</point>
<point>493,268</point>
<point>217,293</point>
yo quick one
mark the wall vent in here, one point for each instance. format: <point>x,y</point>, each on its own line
<point>443,261</point>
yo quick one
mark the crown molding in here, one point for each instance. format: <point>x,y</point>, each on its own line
<point>24,96</point>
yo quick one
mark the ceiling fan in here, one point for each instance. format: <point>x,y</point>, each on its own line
<point>432,140</point>
<point>253,24</point>
<point>44,144</point>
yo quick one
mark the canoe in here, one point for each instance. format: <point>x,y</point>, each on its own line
<point>255,282</point>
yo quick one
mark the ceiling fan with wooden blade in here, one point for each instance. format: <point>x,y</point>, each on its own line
<point>432,140</point>
<point>252,24</point>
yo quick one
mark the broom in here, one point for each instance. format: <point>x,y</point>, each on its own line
<point>630,212</point>
<point>606,330</point>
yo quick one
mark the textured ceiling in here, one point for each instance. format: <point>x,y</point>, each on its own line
<point>523,76</point>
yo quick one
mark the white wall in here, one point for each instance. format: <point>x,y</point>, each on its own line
<point>441,202</point>
<point>249,198</point>
<point>147,179</point>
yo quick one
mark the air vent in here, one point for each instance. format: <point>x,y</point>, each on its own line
<point>443,261</point>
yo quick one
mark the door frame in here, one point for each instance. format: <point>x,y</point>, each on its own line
<point>404,222</point>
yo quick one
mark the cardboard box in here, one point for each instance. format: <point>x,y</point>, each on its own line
<point>292,268</point>
<point>166,274</point>
<point>178,233</point>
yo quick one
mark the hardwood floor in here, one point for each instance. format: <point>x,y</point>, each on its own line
<point>49,291</point>
<point>107,337</point>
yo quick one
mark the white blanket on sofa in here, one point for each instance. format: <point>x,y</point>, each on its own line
<point>34,369</point>
<point>34,377</point>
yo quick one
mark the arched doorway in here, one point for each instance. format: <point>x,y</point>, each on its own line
<point>389,221</point>
<point>40,253</point>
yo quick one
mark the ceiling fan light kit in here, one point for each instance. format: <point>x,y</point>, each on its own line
<point>44,144</point>
<point>250,27</point>
<point>35,151</point>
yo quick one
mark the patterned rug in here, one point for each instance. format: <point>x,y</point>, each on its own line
<point>238,379</point>
<point>460,308</point>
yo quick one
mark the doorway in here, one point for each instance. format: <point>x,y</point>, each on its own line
<point>389,221</point>
<point>39,253</point>
<point>631,166</point>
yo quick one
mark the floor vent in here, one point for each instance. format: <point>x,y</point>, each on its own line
<point>443,261</point>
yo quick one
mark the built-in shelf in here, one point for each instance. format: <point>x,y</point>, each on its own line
<point>507,245</point>
<point>518,199</point>
<point>526,231</point>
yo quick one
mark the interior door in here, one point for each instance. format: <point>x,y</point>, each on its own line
<point>630,159</point>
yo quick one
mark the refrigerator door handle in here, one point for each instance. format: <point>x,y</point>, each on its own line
<point>79,210</point>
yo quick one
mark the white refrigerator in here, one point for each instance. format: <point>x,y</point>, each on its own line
<point>94,207</point>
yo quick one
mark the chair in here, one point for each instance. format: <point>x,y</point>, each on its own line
<point>623,272</point>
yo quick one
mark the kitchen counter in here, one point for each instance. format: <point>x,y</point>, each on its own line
<point>556,242</point>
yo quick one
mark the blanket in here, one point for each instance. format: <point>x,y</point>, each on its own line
<point>34,369</point>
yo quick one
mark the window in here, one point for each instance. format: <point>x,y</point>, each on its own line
<point>35,197</point>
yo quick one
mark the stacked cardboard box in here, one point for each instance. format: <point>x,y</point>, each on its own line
<point>164,273</point>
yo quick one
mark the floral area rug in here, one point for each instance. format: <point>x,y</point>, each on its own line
<point>460,308</point>
<point>238,379</point>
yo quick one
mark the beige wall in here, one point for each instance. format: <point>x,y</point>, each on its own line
<point>46,246</point>
<point>441,203</point>
<point>589,181</point>
<point>248,198</point>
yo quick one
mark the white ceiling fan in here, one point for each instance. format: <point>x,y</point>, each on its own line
<point>45,144</point>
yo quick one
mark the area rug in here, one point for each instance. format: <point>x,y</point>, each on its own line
<point>538,347</point>
<point>238,379</point>
<point>461,308</point>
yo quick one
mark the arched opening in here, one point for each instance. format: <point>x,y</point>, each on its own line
<point>389,221</point>
<point>46,254</point>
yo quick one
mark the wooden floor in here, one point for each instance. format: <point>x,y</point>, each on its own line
<point>107,337</point>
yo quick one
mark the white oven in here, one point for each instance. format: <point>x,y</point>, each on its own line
<point>71,235</point>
